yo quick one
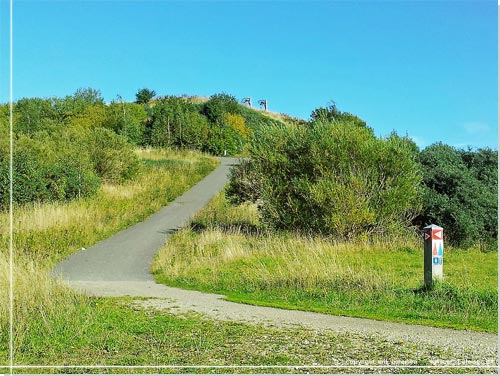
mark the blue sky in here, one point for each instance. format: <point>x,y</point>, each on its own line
<point>426,69</point>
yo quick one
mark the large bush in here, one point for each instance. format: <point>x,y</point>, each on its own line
<point>28,180</point>
<point>216,108</point>
<point>331,113</point>
<point>223,139</point>
<point>127,120</point>
<point>461,193</point>
<point>40,176</point>
<point>334,178</point>
<point>173,121</point>
<point>112,157</point>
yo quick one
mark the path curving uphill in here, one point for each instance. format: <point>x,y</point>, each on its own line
<point>120,266</point>
<point>128,255</point>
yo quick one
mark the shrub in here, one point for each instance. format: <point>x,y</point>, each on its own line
<point>72,177</point>
<point>112,157</point>
<point>237,122</point>
<point>461,193</point>
<point>334,178</point>
<point>245,184</point>
<point>223,138</point>
<point>331,113</point>
<point>47,169</point>
<point>195,132</point>
<point>28,179</point>
<point>216,108</point>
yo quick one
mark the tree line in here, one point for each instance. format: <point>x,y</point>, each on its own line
<point>65,148</point>
<point>329,175</point>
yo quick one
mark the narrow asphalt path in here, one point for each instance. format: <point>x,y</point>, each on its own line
<point>128,255</point>
<point>120,266</point>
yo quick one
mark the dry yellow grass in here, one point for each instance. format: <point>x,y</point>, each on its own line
<point>43,233</point>
<point>225,252</point>
<point>186,156</point>
<point>268,259</point>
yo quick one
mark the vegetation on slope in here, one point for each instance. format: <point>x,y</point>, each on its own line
<point>326,191</point>
<point>334,177</point>
<point>46,233</point>
<point>227,251</point>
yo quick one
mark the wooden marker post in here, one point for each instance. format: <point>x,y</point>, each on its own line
<point>433,254</point>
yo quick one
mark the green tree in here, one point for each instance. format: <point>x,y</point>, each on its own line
<point>143,96</point>
<point>111,155</point>
<point>461,193</point>
<point>33,114</point>
<point>174,121</point>
<point>216,108</point>
<point>77,105</point>
<point>127,120</point>
<point>88,96</point>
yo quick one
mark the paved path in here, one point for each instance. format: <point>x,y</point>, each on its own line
<point>119,266</point>
<point>128,255</point>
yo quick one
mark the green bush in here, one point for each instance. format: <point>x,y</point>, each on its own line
<point>112,157</point>
<point>245,184</point>
<point>28,179</point>
<point>46,169</point>
<point>72,177</point>
<point>333,178</point>
<point>331,113</point>
<point>461,193</point>
<point>223,139</point>
<point>173,121</point>
<point>195,132</point>
<point>127,120</point>
<point>216,108</point>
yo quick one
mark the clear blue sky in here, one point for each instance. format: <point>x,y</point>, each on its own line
<point>428,69</point>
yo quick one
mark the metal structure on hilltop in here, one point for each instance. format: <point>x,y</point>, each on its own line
<point>247,101</point>
<point>263,102</point>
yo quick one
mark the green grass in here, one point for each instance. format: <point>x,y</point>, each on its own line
<point>115,332</point>
<point>46,233</point>
<point>53,325</point>
<point>226,251</point>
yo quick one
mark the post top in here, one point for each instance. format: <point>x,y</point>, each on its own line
<point>433,227</point>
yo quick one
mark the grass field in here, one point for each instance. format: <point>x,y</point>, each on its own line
<point>226,251</point>
<point>46,233</point>
<point>56,326</point>
<point>111,332</point>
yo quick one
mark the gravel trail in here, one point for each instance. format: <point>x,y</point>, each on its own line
<point>119,266</point>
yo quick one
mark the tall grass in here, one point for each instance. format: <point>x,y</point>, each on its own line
<point>226,252</point>
<point>48,232</point>
<point>55,326</point>
<point>45,233</point>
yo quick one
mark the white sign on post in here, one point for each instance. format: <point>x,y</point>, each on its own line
<point>433,254</point>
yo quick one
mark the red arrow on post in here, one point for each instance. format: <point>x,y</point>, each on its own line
<point>437,234</point>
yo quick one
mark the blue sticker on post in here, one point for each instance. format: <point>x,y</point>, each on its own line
<point>437,260</point>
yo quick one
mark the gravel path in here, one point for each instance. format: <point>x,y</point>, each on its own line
<point>119,266</point>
